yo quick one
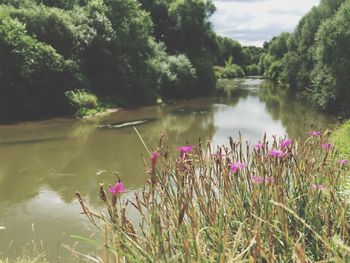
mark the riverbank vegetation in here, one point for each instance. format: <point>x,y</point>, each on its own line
<point>341,138</point>
<point>125,52</point>
<point>85,103</point>
<point>284,200</point>
<point>314,59</point>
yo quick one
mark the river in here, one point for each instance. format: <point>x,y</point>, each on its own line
<point>43,163</point>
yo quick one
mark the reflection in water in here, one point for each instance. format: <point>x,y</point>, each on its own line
<point>296,115</point>
<point>44,163</point>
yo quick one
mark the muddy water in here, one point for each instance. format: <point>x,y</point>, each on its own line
<point>43,163</point>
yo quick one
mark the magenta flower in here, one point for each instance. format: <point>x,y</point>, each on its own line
<point>327,146</point>
<point>260,180</point>
<point>276,153</point>
<point>315,133</point>
<point>318,187</point>
<point>117,189</point>
<point>258,146</point>
<point>154,158</point>
<point>184,149</point>
<point>269,179</point>
<point>286,143</point>
<point>237,166</point>
<point>343,162</point>
<point>257,179</point>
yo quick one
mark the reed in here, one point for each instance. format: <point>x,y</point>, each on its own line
<point>279,201</point>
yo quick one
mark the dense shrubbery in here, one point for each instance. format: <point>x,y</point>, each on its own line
<point>251,70</point>
<point>113,48</point>
<point>33,76</point>
<point>85,103</point>
<point>276,202</point>
<point>230,70</point>
<point>315,59</point>
<point>245,59</point>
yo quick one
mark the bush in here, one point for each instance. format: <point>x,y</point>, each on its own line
<point>85,103</point>
<point>33,76</point>
<point>230,70</point>
<point>251,70</point>
<point>175,75</point>
<point>279,201</point>
<point>82,99</point>
<point>331,79</point>
<point>275,70</point>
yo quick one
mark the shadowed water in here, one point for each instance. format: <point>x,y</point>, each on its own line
<point>43,163</point>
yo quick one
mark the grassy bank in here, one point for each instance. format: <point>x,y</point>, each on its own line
<point>341,138</point>
<point>279,201</point>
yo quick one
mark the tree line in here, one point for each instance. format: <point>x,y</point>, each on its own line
<point>126,52</point>
<point>315,58</point>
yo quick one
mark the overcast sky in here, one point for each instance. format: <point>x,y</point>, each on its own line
<point>252,22</point>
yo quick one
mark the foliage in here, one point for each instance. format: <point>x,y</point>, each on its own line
<point>278,45</point>
<point>81,98</point>
<point>252,55</point>
<point>280,201</point>
<point>184,27</point>
<point>264,63</point>
<point>315,58</point>
<point>331,79</point>
<point>252,70</point>
<point>85,103</point>
<point>176,74</point>
<point>275,70</point>
<point>230,70</point>
<point>110,47</point>
<point>33,76</point>
<point>341,138</point>
<point>229,48</point>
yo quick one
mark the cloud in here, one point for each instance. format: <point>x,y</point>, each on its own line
<point>254,21</point>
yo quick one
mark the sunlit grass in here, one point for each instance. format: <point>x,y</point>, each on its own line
<point>279,201</point>
<point>341,138</point>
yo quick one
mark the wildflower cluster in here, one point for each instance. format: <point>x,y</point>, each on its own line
<point>281,202</point>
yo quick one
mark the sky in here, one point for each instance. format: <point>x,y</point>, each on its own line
<point>252,22</point>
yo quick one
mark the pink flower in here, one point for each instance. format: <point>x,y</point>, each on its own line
<point>260,180</point>
<point>276,153</point>
<point>154,158</point>
<point>257,179</point>
<point>236,166</point>
<point>184,149</point>
<point>318,187</point>
<point>258,146</point>
<point>117,189</point>
<point>269,179</point>
<point>315,133</point>
<point>327,146</point>
<point>343,162</point>
<point>286,143</point>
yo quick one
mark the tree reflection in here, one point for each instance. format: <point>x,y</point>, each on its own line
<point>76,162</point>
<point>297,115</point>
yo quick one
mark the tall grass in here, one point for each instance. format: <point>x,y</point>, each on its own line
<point>282,201</point>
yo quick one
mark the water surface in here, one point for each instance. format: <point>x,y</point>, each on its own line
<point>43,163</point>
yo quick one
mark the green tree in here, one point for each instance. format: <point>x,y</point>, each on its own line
<point>33,76</point>
<point>331,77</point>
